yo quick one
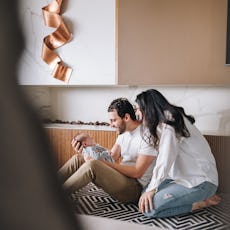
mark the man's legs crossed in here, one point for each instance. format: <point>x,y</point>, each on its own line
<point>119,186</point>
<point>70,167</point>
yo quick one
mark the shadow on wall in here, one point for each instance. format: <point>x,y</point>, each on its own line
<point>220,146</point>
<point>225,121</point>
<point>30,195</point>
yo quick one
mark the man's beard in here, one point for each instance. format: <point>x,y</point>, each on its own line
<point>122,128</point>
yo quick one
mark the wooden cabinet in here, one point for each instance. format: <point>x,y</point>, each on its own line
<point>60,140</point>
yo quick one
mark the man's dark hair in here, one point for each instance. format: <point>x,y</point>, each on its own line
<point>122,106</point>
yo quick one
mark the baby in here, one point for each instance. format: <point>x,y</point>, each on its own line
<point>91,149</point>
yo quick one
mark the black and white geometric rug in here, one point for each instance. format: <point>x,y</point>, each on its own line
<point>94,201</point>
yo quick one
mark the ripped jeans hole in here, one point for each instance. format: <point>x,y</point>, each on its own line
<point>167,196</point>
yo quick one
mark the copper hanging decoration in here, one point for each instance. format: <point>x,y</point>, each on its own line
<point>61,36</point>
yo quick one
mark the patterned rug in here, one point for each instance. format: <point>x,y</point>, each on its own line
<point>94,201</point>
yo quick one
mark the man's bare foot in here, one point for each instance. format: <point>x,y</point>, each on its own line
<point>213,200</point>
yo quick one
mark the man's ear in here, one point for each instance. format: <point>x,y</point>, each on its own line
<point>127,117</point>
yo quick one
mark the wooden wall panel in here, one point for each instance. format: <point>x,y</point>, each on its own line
<point>172,42</point>
<point>60,140</point>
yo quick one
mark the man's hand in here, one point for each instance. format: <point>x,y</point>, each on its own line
<point>87,157</point>
<point>146,201</point>
<point>77,146</point>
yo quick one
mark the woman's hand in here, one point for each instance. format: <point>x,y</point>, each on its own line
<point>77,146</point>
<point>146,201</point>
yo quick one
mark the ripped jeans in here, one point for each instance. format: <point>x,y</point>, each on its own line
<point>173,199</point>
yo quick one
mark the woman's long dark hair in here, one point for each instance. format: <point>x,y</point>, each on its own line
<point>157,109</point>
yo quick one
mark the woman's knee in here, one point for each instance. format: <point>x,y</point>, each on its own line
<point>206,189</point>
<point>151,214</point>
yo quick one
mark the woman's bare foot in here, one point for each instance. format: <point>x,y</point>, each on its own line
<point>213,200</point>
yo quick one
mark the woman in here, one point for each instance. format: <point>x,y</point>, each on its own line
<point>185,176</point>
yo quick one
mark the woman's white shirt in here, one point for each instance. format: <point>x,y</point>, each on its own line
<point>187,161</point>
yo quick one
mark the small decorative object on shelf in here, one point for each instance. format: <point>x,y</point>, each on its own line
<point>46,121</point>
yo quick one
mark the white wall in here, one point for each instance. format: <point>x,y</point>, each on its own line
<point>209,105</point>
<point>90,52</point>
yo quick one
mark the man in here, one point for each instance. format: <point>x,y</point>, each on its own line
<point>122,181</point>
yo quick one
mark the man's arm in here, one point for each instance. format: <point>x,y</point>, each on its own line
<point>134,171</point>
<point>115,152</point>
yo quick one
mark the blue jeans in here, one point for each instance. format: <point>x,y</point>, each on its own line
<point>173,199</point>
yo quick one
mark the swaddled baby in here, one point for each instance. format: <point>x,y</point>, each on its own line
<point>91,148</point>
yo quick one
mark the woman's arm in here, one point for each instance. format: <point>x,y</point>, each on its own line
<point>168,151</point>
<point>166,157</point>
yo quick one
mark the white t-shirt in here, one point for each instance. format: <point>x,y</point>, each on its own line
<point>132,145</point>
<point>188,161</point>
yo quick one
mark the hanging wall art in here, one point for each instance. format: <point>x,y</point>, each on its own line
<point>62,35</point>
